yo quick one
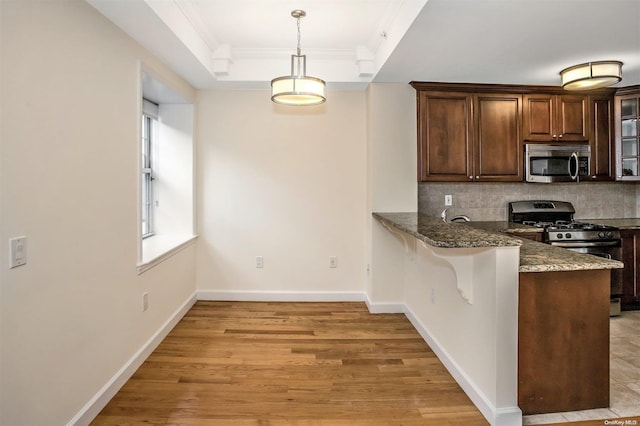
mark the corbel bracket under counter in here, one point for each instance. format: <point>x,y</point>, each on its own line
<point>437,236</point>
<point>462,266</point>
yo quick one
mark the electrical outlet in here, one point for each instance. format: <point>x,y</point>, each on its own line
<point>145,301</point>
<point>259,262</point>
<point>333,262</point>
<point>448,200</point>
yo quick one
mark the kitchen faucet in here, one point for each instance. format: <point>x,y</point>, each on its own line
<point>458,218</point>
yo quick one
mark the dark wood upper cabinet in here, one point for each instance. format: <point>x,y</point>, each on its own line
<point>469,137</point>
<point>627,133</point>
<point>475,132</point>
<point>445,136</point>
<point>497,144</point>
<point>556,118</point>
<point>601,140</point>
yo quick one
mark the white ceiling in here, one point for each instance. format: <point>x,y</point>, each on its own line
<point>349,43</point>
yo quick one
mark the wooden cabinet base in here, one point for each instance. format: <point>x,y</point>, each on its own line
<point>563,341</point>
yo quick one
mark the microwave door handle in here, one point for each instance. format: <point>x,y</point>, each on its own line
<point>573,159</point>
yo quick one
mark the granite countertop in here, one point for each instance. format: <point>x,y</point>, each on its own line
<point>540,257</point>
<point>534,256</point>
<point>437,233</point>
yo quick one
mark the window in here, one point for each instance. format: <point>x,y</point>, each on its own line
<point>149,136</point>
<point>165,179</point>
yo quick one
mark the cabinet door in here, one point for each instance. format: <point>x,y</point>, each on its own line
<point>556,118</point>
<point>444,136</point>
<point>630,258</point>
<point>601,141</point>
<point>539,113</point>
<point>572,120</point>
<point>497,150</point>
<point>627,136</point>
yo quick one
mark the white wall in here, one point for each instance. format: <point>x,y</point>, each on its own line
<point>392,147</point>
<point>392,184</point>
<point>174,186</point>
<point>285,183</point>
<point>72,317</point>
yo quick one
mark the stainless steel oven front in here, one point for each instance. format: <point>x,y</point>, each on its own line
<point>608,250</point>
<point>547,163</point>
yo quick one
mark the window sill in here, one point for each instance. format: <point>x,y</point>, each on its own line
<point>158,248</point>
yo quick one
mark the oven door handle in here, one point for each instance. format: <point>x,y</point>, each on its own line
<point>576,244</point>
<point>573,160</point>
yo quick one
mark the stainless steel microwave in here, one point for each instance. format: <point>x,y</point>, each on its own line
<point>548,163</point>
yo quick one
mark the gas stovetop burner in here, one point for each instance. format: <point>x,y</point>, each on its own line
<point>579,226</point>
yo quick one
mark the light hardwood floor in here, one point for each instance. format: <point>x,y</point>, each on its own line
<point>231,363</point>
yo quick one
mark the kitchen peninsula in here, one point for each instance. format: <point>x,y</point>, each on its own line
<point>502,312</point>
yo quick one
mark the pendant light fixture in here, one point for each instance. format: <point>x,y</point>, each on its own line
<point>591,75</point>
<point>298,88</point>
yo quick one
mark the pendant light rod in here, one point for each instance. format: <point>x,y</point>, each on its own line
<point>298,14</point>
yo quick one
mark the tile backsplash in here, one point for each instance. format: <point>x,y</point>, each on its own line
<point>488,201</point>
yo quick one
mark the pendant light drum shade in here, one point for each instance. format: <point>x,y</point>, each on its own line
<point>591,75</point>
<point>293,90</point>
<point>298,88</point>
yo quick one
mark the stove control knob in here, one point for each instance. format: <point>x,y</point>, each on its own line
<point>600,234</point>
<point>609,234</point>
<point>559,235</point>
<point>567,235</point>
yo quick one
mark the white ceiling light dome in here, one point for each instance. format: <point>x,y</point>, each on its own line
<point>591,75</point>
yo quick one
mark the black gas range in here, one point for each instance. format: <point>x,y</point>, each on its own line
<point>561,230</point>
<point>556,218</point>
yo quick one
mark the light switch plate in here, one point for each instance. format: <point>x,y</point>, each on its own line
<point>18,252</point>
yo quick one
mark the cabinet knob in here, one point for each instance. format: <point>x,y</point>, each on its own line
<point>470,177</point>
<point>560,136</point>
<point>477,177</point>
<point>593,177</point>
<point>555,136</point>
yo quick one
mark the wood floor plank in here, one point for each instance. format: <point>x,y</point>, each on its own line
<point>250,363</point>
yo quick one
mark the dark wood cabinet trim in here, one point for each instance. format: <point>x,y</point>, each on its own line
<point>629,90</point>
<point>506,88</point>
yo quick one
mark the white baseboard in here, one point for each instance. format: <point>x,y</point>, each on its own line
<point>104,395</point>
<point>282,296</point>
<point>384,308</point>
<point>504,416</point>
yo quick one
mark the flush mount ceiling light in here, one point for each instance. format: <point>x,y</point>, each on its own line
<point>591,75</point>
<point>298,88</point>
